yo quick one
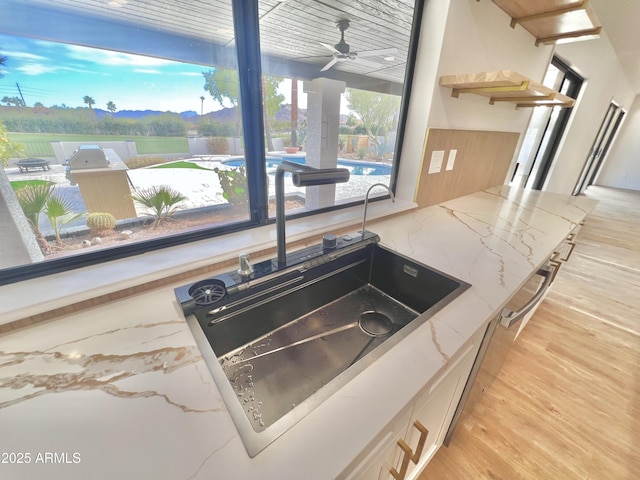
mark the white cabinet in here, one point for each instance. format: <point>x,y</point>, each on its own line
<point>434,409</point>
<point>411,439</point>
<point>375,461</point>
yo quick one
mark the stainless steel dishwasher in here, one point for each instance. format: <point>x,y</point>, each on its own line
<point>498,338</point>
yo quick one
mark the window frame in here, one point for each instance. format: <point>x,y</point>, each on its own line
<point>249,67</point>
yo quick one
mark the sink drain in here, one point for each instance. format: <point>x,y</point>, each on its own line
<point>375,324</point>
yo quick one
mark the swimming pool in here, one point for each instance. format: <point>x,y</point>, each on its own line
<point>355,167</point>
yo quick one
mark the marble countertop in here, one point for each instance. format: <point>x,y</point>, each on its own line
<point>121,391</point>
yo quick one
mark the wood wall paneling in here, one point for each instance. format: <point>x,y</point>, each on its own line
<point>482,160</point>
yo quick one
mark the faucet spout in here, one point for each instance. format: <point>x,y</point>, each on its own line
<point>302,176</point>
<point>366,202</point>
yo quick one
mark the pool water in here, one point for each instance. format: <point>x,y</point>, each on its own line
<point>355,167</point>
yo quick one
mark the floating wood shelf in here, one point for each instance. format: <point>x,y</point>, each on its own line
<point>506,86</point>
<point>550,21</point>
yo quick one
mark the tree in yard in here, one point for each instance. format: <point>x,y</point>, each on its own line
<point>111,107</point>
<point>3,61</point>
<point>15,101</point>
<point>8,149</point>
<point>89,101</point>
<point>271,100</point>
<point>378,112</point>
<point>222,84</point>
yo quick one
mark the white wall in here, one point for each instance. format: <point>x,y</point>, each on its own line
<point>467,36</point>
<point>464,36</point>
<point>424,82</point>
<point>598,63</point>
<point>622,164</point>
<point>478,38</point>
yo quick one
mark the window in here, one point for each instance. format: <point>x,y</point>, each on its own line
<point>141,126</point>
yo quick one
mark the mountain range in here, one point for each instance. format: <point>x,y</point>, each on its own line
<point>225,115</point>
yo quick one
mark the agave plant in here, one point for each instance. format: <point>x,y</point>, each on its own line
<point>59,211</point>
<point>161,200</point>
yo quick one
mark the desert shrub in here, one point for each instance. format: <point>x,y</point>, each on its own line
<point>218,145</point>
<point>162,200</point>
<point>234,185</point>
<point>382,149</point>
<point>362,152</point>
<point>144,161</point>
<point>360,130</point>
<point>215,129</point>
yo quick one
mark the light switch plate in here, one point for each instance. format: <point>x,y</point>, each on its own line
<point>437,156</point>
<point>452,159</point>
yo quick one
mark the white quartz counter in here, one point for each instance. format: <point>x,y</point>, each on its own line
<point>120,391</point>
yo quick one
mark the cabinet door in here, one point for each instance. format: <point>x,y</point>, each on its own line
<point>433,410</point>
<point>376,460</point>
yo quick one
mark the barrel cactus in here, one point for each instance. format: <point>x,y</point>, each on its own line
<point>101,223</point>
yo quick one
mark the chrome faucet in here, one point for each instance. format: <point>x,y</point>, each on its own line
<point>366,202</point>
<point>302,176</point>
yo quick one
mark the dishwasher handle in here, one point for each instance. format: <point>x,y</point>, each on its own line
<point>508,317</point>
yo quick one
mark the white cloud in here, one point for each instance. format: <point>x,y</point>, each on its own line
<point>107,57</point>
<point>23,56</point>
<point>35,69</point>
<point>152,71</point>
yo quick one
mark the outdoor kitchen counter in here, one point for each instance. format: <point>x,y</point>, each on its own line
<point>121,391</point>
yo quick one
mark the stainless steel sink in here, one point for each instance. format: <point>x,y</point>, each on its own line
<point>281,343</point>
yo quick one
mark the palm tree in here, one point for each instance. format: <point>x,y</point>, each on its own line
<point>111,107</point>
<point>201,105</point>
<point>89,101</point>
<point>162,200</point>
<point>2,62</point>
<point>59,211</point>
<point>33,200</point>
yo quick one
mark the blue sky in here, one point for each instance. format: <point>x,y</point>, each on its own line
<point>56,74</point>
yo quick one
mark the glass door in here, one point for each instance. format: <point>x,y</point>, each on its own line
<point>545,129</point>
<point>604,138</point>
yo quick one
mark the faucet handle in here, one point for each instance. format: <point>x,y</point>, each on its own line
<point>245,269</point>
<point>329,242</point>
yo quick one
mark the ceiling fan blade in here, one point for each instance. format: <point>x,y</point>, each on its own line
<point>366,63</point>
<point>378,53</point>
<point>331,48</point>
<point>330,64</point>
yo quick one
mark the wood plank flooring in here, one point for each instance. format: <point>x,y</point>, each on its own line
<point>566,404</point>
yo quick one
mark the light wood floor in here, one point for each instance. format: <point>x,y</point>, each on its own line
<point>566,404</point>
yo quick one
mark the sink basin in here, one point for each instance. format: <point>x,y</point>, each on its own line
<point>279,346</point>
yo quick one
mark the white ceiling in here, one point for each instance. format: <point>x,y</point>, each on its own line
<point>291,31</point>
<point>621,23</point>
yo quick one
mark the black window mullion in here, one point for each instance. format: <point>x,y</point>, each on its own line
<point>247,40</point>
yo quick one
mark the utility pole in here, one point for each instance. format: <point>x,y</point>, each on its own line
<point>24,104</point>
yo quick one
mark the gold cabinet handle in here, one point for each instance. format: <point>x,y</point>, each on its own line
<point>424,433</point>
<point>406,456</point>
<point>557,264</point>
<point>572,245</point>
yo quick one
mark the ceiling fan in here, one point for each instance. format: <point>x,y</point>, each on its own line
<point>341,51</point>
